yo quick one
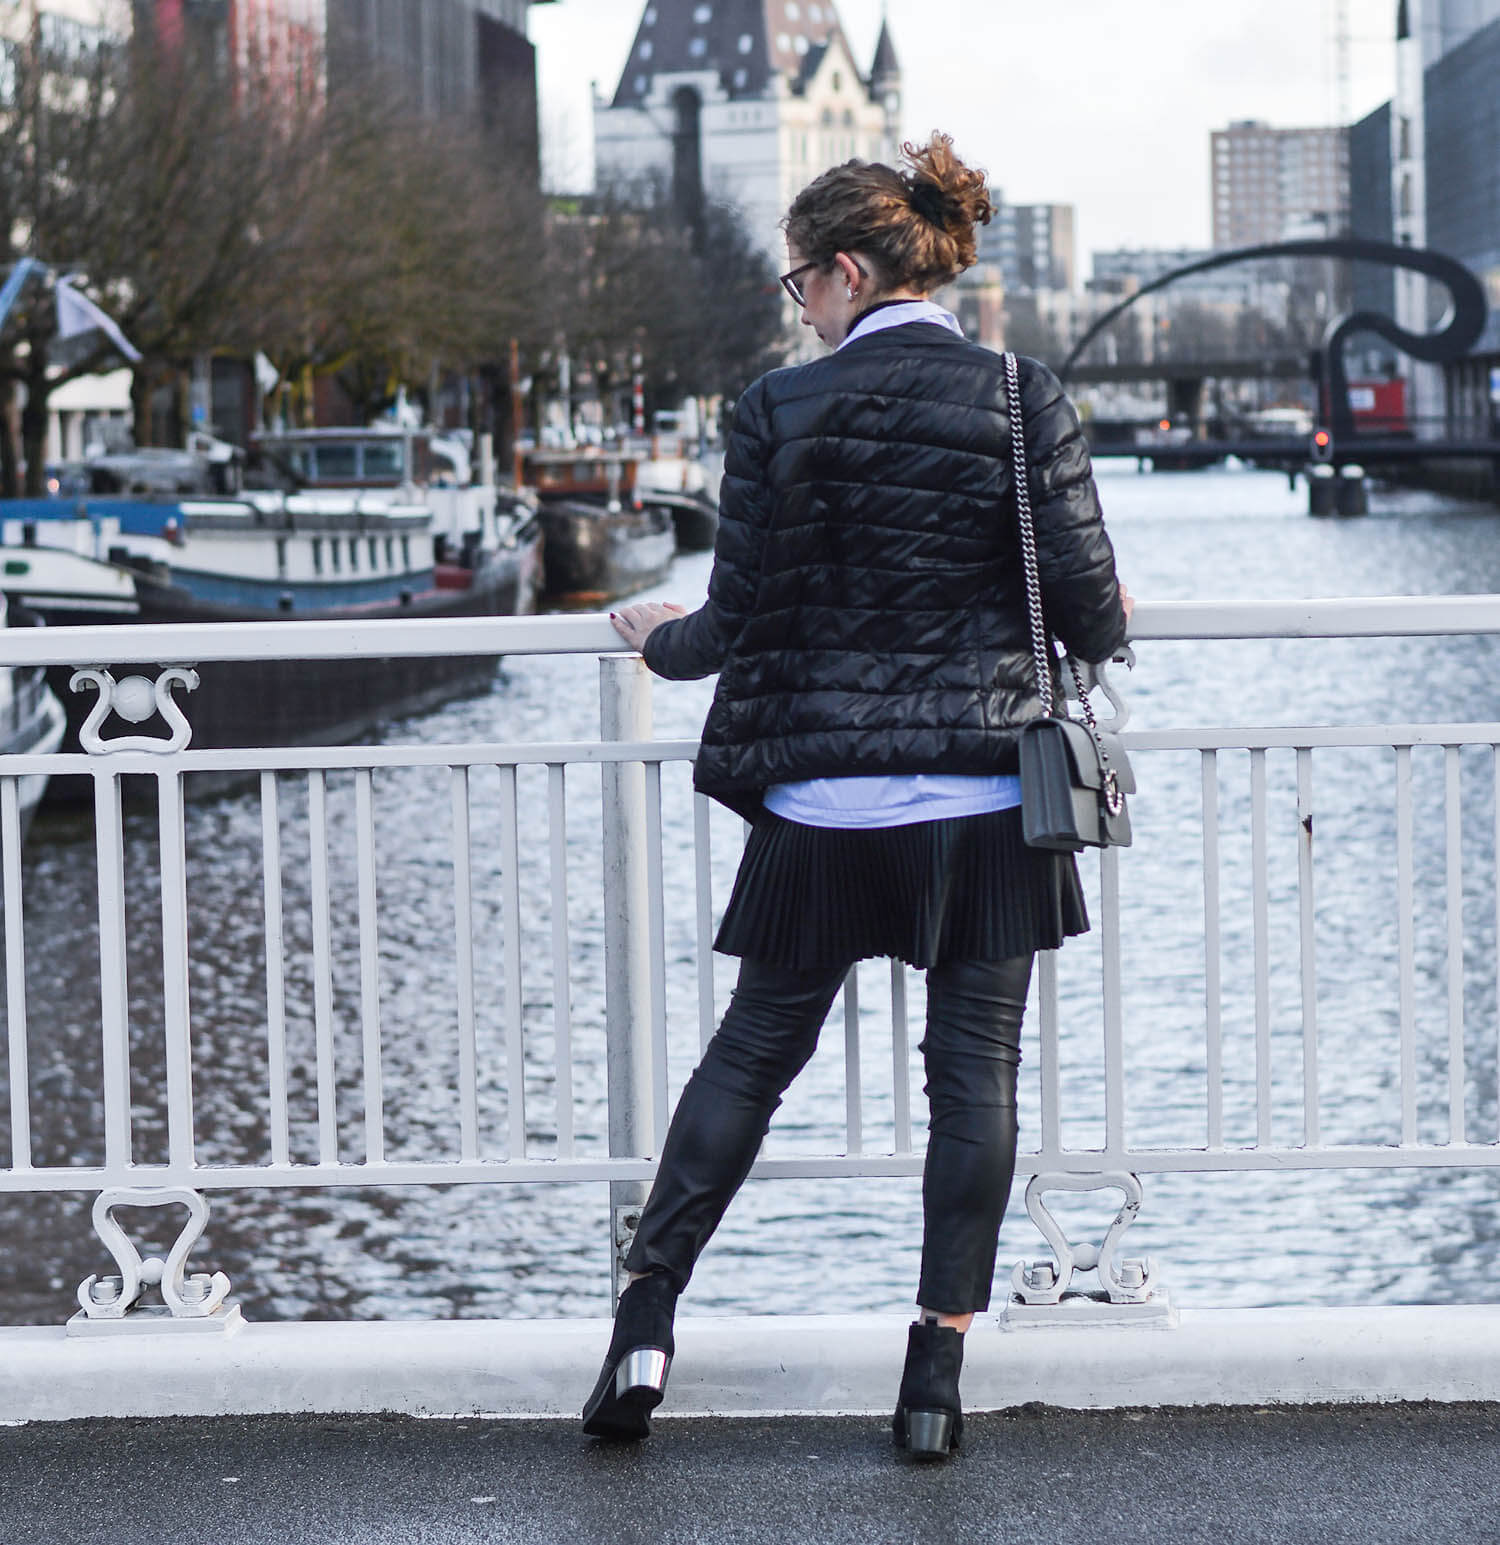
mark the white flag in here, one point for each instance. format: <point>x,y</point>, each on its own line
<point>76,313</point>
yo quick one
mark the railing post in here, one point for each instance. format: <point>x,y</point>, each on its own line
<point>625,715</point>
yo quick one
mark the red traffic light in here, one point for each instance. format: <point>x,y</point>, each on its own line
<point>1322,445</point>
<point>1322,439</point>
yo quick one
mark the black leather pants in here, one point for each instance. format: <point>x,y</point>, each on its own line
<point>971,1051</point>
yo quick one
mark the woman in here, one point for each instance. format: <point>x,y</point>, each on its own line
<point>867,617</point>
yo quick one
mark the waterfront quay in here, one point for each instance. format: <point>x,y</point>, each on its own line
<point>407,1019</point>
<point>1392,1474</point>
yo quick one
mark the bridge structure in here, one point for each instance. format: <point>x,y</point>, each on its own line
<point>1089,1323</point>
<point>1324,368</point>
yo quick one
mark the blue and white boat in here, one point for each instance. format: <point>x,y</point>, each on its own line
<point>315,553</point>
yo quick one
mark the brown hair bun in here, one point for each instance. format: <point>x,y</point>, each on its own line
<point>946,193</point>
<point>917,223</point>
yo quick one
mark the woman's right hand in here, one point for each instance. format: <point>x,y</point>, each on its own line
<point>635,624</point>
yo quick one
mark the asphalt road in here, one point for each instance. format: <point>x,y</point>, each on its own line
<point>1428,1473</point>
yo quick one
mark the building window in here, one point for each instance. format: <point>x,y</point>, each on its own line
<point>650,17</point>
<point>647,49</point>
<point>838,80</point>
<point>793,10</point>
<point>801,45</point>
<point>698,47</point>
<point>746,42</point>
<point>703,14</point>
<point>741,79</point>
<point>640,85</point>
<point>784,42</point>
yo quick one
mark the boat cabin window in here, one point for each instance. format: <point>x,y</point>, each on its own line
<point>337,463</point>
<point>336,552</point>
<point>281,557</point>
<point>390,552</point>
<point>406,552</point>
<point>385,460</point>
<point>374,553</point>
<point>353,554</point>
<point>317,546</point>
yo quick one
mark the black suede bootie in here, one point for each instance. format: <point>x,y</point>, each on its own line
<point>634,1376</point>
<point>929,1420</point>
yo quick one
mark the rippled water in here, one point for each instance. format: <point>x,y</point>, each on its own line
<point>1369,1236</point>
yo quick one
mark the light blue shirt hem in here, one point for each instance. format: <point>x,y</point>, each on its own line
<point>860,804</point>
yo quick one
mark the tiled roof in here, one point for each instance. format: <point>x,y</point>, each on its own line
<point>745,41</point>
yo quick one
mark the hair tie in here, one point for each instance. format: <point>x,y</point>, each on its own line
<point>928,200</point>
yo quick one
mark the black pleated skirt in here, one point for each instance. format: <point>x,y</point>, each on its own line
<point>962,889</point>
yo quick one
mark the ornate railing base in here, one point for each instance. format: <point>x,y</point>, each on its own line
<point>157,1320</point>
<point>1130,1291</point>
<point>196,1302</point>
<point>1091,1309</point>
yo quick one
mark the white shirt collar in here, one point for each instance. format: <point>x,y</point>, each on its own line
<point>900,315</point>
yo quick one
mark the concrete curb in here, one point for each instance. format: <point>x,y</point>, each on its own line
<point>753,1366</point>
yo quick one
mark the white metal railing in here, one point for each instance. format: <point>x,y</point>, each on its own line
<point>328,1114</point>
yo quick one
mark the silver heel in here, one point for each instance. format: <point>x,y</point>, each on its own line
<point>929,1433</point>
<point>644,1368</point>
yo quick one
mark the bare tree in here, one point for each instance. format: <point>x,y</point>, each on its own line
<point>55,121</point>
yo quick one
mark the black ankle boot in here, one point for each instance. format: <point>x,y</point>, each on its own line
<point>929,1420</point>
<point>634,1376</point>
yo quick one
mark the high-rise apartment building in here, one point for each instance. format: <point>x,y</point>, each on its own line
<point>1032,245</point>
<point>1267,182</point>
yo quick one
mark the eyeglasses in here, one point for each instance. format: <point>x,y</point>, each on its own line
<point>789,282</point>
<point>792,287</point>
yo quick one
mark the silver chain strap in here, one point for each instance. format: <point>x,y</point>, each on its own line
<point>1041,653</point>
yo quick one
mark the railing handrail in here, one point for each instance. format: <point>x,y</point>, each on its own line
<point>417,637</point>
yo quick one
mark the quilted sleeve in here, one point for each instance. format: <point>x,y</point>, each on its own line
<point>696,645</point>
<point>1080,591</point>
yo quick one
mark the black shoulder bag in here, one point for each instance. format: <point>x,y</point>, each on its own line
<point>1074,777</point>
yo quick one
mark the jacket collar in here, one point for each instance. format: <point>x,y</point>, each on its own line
<point>898,314</point>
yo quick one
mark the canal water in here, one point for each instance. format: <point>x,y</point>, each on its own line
<point>1374,1235</point>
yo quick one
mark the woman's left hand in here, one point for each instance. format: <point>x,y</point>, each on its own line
<point>636,623</point>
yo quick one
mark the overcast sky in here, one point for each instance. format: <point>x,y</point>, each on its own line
<point>1090,102</point>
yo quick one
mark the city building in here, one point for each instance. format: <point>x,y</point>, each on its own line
<point>1032,245</point>
<point>1266,179</point>
<point>1425,172</point>
<point>1371,219</point>
<point>977,299</point>
<point>446,56</point>
<point>745,101</point>
<point>1462,132</point>
<point>449,56</point>
<point>1260,285</point>
<point>1440,26</point>
<point>64,26</point>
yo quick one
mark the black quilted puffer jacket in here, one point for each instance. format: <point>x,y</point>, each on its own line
<point>867,607</point>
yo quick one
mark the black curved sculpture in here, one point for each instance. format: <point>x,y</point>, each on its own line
<point>1461,328</point>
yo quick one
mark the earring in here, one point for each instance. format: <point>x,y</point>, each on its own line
<point>851,292</point>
